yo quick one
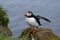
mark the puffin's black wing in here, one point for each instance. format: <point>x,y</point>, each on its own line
<point>37,19</point>
<point>40,17</point>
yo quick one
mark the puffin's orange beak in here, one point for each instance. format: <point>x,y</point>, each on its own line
<point>25,14</point>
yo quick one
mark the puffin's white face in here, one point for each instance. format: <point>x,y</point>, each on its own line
<point>27,14</point>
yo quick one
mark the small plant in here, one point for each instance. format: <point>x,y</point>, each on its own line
<point>4,20</point>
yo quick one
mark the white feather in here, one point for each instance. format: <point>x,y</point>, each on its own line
<point>28,14</point>
<point>32,22</point>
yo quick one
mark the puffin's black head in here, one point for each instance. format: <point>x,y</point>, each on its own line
<point>28,14</point>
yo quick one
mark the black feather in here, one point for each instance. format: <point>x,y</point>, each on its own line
<point>37,19</point>
<point>40,17</point>
<point>46,19</point>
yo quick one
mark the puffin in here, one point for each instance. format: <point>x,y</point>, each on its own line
<point>34,20</point>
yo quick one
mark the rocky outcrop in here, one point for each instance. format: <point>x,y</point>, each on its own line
<point>40,34</point>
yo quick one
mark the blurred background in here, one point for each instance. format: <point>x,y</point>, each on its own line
<point>46,8</point>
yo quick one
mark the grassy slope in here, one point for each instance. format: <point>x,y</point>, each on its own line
<point>4,37</point>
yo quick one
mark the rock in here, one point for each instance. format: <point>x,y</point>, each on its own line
<point>40,34</point>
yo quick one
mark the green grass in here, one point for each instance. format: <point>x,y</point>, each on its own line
<point>3,36</point>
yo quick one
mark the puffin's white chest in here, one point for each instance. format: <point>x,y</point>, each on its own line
<point>32,21</point>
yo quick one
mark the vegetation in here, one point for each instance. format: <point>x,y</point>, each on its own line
<point>3,36</point>
<point>4,20</point>
<point>43,34</point>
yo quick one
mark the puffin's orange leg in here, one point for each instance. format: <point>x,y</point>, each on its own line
<point>33,30</point>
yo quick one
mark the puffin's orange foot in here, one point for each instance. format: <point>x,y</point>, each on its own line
<point>33,30</point>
